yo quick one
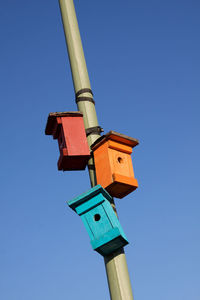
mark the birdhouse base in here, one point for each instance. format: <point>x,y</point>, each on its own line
<point>121,186</point>
<point>109,243</point>
<point>72,162</point>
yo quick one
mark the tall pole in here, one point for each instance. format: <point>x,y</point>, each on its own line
<point>115,264</point>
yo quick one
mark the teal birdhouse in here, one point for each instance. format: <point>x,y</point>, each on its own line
<point>102,224</point>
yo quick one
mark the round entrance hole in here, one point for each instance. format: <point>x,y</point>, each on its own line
<point>97,217</point>
<point>120,160</point>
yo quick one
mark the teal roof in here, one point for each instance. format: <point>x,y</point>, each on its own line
<point>98,189</point>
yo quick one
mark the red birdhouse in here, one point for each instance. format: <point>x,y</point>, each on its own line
<point>68,129</point>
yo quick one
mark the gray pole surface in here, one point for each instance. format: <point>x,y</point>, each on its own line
<point>116,266</point>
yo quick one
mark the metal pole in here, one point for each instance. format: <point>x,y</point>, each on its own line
<point>116,266</point>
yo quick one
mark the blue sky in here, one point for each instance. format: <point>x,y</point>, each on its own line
<point>144,66</point>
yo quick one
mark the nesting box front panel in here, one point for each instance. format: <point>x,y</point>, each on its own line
<point>121,162</point>
<point>98,222</point>
<point>75,136</point>
<point>74,149</point>
<point>123,181</point>
<point>104,229</point>
<point>112,236</point>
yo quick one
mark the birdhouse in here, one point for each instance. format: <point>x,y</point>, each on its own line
<point>113,163</point>
<point>100,220</point>
<point>68,129</point>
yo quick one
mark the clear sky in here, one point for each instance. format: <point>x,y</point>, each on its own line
<point>143,59</point>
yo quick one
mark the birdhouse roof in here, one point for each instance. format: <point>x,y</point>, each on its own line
<point>98,189</point>
<point>117,137</point>
<point>52,119</point>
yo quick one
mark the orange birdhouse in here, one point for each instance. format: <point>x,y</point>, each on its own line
<point>113,163</point>
<point>68,129</point>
